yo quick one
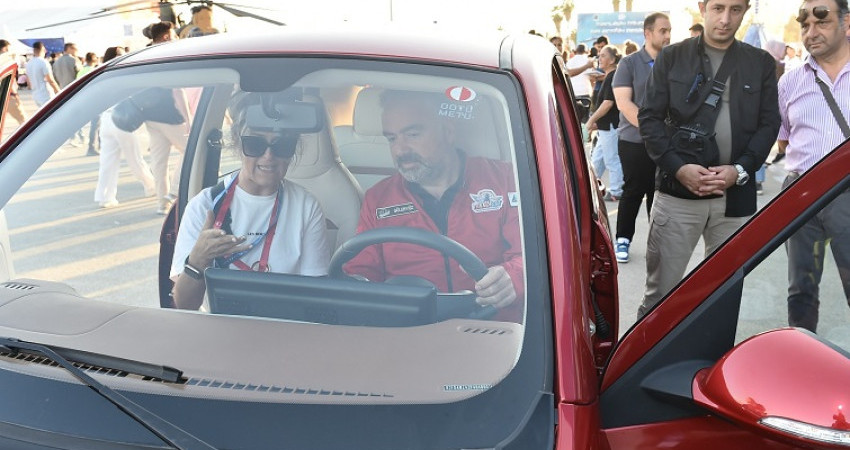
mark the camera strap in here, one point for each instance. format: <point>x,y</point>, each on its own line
<point>712,97</point>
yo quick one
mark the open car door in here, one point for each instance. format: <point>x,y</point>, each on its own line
<point>715,364</point>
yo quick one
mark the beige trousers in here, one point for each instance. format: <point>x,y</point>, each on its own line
<point>675,227</point>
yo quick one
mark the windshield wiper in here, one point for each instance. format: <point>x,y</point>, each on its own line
<point>163,429</point>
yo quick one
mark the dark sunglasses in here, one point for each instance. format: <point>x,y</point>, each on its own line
<point>820,12</point>
<point>281,147</point>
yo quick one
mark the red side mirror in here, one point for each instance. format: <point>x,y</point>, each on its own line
<point>785,383</point>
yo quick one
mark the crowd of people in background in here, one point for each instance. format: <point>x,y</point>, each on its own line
<point>624,103</point>
<point>46,74</point>
<point>631,116</point>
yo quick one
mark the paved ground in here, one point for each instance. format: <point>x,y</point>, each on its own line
<point>74,242</point>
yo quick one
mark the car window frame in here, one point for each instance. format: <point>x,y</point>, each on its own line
<point>695,324</point>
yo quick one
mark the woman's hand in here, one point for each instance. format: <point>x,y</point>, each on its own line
<point>213,243</point>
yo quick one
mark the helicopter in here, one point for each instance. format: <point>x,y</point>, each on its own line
<point>167,12</point>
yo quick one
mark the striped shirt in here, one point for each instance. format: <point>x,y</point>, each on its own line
<point>807,122</point>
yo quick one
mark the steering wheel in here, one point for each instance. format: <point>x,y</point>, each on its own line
<point>469,261</point>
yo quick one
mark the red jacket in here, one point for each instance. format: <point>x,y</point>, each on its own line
<point>483,217</point>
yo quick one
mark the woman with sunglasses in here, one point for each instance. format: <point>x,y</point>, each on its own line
<point>254,220</point>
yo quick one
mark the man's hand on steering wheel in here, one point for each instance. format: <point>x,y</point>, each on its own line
<point>496,288</point>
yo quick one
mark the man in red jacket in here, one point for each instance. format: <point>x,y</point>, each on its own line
<point>438,188</point>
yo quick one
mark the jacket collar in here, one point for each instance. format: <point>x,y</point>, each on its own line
<point>700,42</point>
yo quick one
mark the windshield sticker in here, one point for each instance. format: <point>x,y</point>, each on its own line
<point>513,198</point>
<point>457,111</point>
<point>461,94</point>
<point>395,210</point>
<point>486,200</point>
<point>467,387</point>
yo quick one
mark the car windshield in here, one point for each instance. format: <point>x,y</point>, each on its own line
<point>350,282</point>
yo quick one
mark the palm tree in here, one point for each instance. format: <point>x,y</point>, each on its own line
<point>567,7</point>
<point>557,18</point>
<point>616,4</point>
<point>629,5</point>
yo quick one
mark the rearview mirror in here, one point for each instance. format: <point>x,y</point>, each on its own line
<point>291,116</point>
<point>785,383</point>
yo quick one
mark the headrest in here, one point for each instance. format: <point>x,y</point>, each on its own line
<point>367,113</point>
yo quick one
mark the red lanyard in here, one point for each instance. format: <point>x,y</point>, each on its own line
<point>263,264</point>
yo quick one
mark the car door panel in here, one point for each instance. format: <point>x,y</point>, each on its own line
<point>698,433</point>
<point>647,398</point>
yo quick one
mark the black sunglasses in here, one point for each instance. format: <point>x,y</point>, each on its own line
<point>820,12</point>
<point>281,147</point>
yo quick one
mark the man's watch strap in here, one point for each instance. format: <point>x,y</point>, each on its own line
<point>192,271</point>
<point>743,176</point>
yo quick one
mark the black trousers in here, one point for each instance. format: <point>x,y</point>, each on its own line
<point>638,182</point>
<point>807,249</point>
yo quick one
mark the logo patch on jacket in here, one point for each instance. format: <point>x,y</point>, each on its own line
<point>396,210</point>
<point>486,200</point>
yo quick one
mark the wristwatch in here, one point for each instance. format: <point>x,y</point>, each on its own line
<point>743,176</point>
<point>192,271</point>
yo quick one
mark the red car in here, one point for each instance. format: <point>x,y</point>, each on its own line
<point>93,353</point>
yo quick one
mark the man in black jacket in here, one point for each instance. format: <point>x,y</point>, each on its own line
<point>709,120</point>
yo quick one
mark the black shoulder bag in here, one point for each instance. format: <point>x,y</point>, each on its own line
<point>693,139</point>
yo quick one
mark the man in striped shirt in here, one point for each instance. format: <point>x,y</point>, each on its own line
<point>808,132</point>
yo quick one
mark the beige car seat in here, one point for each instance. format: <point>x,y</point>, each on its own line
<point>317,167</point>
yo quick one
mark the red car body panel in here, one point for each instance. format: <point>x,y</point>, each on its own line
<point>476,51</point>
<point>574,361</point>
<point>702,433</point>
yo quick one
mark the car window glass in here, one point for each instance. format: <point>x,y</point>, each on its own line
<point>109,248</point>
<point>817,298</point>
<point>5,86</point>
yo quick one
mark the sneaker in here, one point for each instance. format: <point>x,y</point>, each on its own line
<point>759,189</point>
<point>164,206</point>
<point>610,197</point>
<point>109,204</point>
<point>622,250</point>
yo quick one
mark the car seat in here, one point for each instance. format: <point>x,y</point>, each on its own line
<point>317,167</point>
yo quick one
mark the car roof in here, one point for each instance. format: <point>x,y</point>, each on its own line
<point>448,46</point>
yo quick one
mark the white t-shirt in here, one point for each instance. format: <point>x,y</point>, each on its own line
<point>299,245</point>
<point>581,82</point>
<point>37,68</point>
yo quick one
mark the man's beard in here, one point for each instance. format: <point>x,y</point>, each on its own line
<point>422,171</point>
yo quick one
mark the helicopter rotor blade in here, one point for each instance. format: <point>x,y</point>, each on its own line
<point>110,11</point>
<point>119,6</point>
<point>113,13</point>
<point>246,6</point>
<point>240,13</point>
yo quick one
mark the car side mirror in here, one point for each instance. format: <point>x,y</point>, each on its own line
<point>788,384</point>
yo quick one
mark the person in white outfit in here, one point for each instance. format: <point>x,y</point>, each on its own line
<point>166,134</point>
<point>254,220</point>
<point>164,137</point>
<point>40,76</point>
<point>113,142</point>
